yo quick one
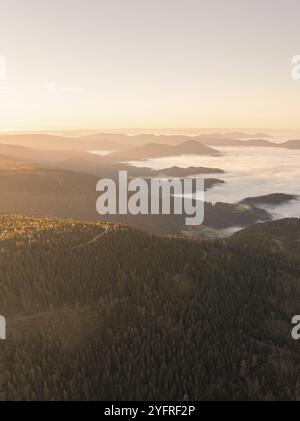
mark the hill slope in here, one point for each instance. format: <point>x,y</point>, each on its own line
<point>38,190</point>
<point>136,316</point>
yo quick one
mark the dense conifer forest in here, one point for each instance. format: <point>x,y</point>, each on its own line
<point>134,316</point>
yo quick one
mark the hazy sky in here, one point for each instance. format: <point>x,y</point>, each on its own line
<point>149,63</point>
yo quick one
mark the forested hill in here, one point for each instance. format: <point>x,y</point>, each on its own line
<point>37,190</point>
<point>137,316</point>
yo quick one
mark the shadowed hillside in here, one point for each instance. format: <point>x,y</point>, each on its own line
<point>37,190</point>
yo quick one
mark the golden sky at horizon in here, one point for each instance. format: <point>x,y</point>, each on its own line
<point>133,63</point>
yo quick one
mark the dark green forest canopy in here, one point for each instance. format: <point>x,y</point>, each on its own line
<point>140,316</point>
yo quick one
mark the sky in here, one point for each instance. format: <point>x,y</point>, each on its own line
<point>92,64</point>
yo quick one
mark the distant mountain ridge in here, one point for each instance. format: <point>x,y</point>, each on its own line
<point>270,199</point>
<point>119,142</point>
<point>157,150</point>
